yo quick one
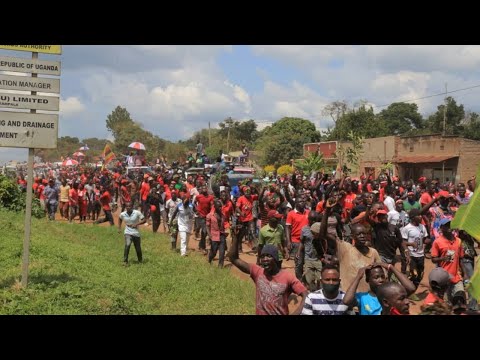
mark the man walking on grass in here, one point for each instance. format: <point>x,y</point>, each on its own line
<point>133,219</point>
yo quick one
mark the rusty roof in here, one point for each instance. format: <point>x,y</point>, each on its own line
<point>416,159</point>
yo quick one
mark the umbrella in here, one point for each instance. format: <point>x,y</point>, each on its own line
<point>84,148</point>
<point>137,146</point>
<point>70,162</point>
<point>78,154</point>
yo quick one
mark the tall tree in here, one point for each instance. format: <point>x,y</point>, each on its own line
<point>472,126</point>
<point>399,118</point>
<point>335,109</point>
<point>117,120</point>
<point>362,120</point>
<point>283,141</point>
<point>454,117</point>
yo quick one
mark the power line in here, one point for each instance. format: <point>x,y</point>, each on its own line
<point>429,96</point>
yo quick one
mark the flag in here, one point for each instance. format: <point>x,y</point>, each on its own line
<point>108,154</point>
<point>467,218</point>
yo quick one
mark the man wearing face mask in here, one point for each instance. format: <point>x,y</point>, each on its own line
<point>273,285</point>
<point>447,251</point>
<point>132,218</point>
<point>329,299</point>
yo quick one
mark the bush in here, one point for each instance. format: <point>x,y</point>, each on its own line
<point>269,169</point>
<point>284,170</point>
<point>14,199</point>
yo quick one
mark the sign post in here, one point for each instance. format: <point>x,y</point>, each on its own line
<point>30,130</point>
<point>28,210</point>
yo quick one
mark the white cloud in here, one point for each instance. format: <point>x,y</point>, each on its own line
<point>241,95</point>
<point>71,106</point>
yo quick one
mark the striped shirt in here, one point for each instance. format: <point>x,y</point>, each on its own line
<point>317,304</point>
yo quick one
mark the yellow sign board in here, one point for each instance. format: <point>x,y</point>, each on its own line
<point>46,49</point>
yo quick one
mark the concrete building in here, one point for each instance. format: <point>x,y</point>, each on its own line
<point>433,156</point>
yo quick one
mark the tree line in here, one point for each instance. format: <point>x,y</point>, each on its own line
<point>283,141</point>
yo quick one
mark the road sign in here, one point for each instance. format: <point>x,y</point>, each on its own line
<point>19,101</point>
<point>26,130</point>
<point>12,82</point>
<point>46,49</point>
<point>8,63</point>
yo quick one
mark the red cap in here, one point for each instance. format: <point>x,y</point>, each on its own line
<point>443,193</point>
<point>422,178</point>
<point>380,212</point>
<point>410,193</point>
<point>275,214</point>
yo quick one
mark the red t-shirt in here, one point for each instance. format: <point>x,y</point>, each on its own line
<point>442,247</point>
<point>245,205</point>
<point>272,295</point>
<point>105,200</point>
<point>204,204</point>
<point>425,198</point>
<point>297,221</point>
<point>227,211</point>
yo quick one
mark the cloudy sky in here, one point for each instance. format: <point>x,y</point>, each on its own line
<point>176,90</point>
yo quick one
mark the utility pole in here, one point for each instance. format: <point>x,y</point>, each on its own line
<point>445,112</point>
<point>209,135</point>
<point>228,139</point>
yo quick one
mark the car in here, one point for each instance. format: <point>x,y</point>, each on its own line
<point>195,171</point>
<point>243,170</point>
<point>142,169</point>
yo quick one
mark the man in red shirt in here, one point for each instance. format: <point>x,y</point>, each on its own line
<point>447,251</point>
<point>296,220</point>
<point>105,200</point>
<point>273,285</point>
<point>202,206</point>
<point>439,280</point>
<point>245,218</point>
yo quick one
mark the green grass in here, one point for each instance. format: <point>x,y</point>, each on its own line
<point>77,269</point>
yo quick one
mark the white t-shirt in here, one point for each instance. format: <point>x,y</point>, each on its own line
<point>131,220</point>
<point>415,236</point>
<point>389,203</point>
<point>170,207</point>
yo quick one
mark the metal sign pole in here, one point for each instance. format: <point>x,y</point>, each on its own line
<point>28,209</point>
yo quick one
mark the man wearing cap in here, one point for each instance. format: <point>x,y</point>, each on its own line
<point>447,251</point>
<point>439,281</point>
<point>273,285</point>
<point>272,233</point>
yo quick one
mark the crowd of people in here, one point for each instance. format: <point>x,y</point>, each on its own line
<point>345,235</point>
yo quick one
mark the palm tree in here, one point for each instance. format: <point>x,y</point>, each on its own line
<point>313,162</point>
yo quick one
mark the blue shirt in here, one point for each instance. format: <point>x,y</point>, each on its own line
<point>368,304</point>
